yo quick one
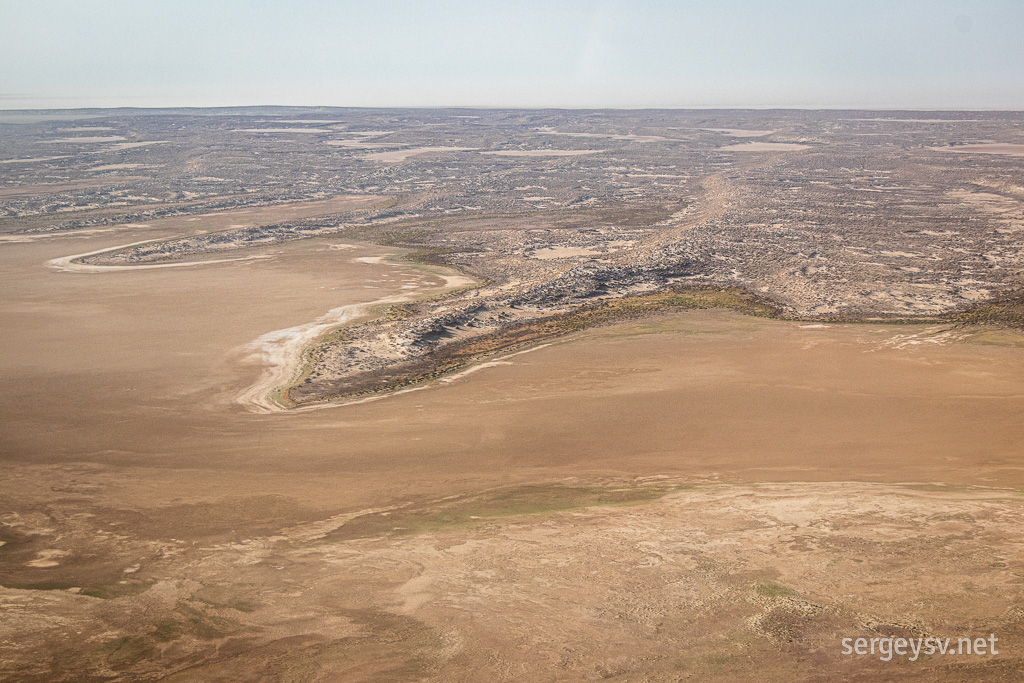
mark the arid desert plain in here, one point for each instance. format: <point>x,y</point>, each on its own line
<point>486,395</point>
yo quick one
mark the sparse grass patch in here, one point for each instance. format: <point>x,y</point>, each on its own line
<point>128,650</point>
<point>110,591</point>
<point>769,589</point>
<point>237,604</point>
<point>1007,310</point>
<point>203,625</point>
<point>494,505</point>
<point>167,630</point>
<point>717,660</point>
<point>43,586</point>
<point>997,337</point>
<point>458,355</point>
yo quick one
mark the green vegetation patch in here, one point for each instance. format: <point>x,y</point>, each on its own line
<point>769,589</point>
<point>495,505</point>
<point>202,625</point>
<point>686,299</point>
<point>455,356</point>
<point>128,650</point>
<point>1010,314</point>
<point>110,591</point>
<point>1006,311</point>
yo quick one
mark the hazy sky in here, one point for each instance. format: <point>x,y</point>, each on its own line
<point>794,53</point>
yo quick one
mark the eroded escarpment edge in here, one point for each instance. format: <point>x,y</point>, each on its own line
<point>448,354</point>
<point>458,354</point>
<point>285,355</point>
<point>406,341</point>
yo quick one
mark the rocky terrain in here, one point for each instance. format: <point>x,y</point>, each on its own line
<point>831,215</point>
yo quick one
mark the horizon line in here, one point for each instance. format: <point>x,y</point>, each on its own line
<point>708,107</point>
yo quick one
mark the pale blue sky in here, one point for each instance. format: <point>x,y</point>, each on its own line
<point>792,53</point>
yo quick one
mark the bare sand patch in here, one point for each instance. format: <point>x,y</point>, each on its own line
<point>86,139</point>
<point>562,252</point>
<point>765,147</point>
<point>403,154</point>
<point>117,167</point>
<point>740,132</point>
<point>280,130</point>
<point>889,120</point>
<point>361,144</point>
<point>32,160</point>
<point>279,353</point>
<point>136,145</point>
<point>83,233</point>
<point>543,152</point>
<point>343,130</point>
<point>309,121</point>
<point>1007,148</point>
<point>19,239</point>
<point>745,397</point>
<point>612,136</point>
<point>48,558</point>
<point>987,202</point>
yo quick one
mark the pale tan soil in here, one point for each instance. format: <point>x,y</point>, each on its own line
<point>741,133</point>
<point>134,145</point>
<point>280,130</point>
<point>116,167</point>
<point>280,352</point>
<point>765,147</point>
<point>360,144</point>
<point>612,136</point>
<point>877,118</point>
<point>562,252</point>
<point>403,154</point>
<point>87,139</point>
<point>32,160</point>
<point>83,233</point>
<point>146,332</point>
<point>343,130</point>
<point>985,148</point>
<point>543,152</point>
<point>44,188</point>
<point>177,532</point>
<point>713,582</point>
